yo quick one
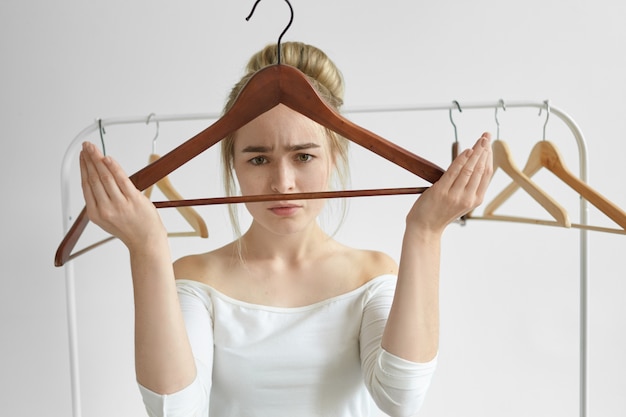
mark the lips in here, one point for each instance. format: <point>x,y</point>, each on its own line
<point>284,209</point>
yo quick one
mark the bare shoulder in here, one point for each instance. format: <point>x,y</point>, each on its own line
<point>376,263</point>
<point>188,267</point>
<point>203,267</point>
<point>368,264</point>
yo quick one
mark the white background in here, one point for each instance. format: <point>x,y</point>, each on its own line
<point>509,343</point>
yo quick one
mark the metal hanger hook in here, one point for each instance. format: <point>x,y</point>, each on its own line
<point>280,38</point>
<point>156,136</point>
<point>458,106</point>
<point>547,103</point>
<point>501,103</point>
<point>102,132</point>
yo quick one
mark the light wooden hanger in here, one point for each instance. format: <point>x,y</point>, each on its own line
<point>546,155</point>
<point>502,159</point>
<point>189,214</point>
<point>165,186</point>
<point>269,87</point>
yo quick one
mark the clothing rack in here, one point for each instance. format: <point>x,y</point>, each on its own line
<point>71,156</point>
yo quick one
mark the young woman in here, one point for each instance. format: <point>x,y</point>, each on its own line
<point>285,320</point>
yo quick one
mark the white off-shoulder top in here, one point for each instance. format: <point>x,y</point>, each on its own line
<point>323,359</point>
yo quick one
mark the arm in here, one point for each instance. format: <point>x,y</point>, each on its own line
<point>397,386</point>
<point>193,400</point>
<point>163,358</point>
<point>412,330</point>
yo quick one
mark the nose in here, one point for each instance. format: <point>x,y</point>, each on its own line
<point>282,178</point>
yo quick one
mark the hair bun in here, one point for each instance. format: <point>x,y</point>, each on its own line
<point>312,61</point>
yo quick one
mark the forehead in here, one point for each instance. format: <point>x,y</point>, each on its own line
<point>280,126</point>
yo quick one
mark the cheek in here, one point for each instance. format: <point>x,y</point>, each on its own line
<point>243,180</point>
<point>312,178</point>
<point>248,184</point>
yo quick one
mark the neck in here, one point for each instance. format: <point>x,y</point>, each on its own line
<point>260,244</point>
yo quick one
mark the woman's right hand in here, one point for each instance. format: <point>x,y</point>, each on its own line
<point>114,203</point>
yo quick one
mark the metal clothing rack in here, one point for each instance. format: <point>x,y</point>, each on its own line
<point>70,157</point>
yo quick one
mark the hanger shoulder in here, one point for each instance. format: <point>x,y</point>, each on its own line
<point>69,241</point>
<point>502,159</point>
<point>533,164</point>
<point>260,94</point>
<point>299,95</point>
<point>552,160</point>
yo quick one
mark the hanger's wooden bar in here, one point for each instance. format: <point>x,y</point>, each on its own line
<point>63,253</point>
<point>291,196</point>
<point>515,219</point>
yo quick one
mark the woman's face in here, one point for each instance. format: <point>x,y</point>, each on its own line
<point>282,152</point>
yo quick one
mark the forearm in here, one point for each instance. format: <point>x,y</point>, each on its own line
<point>412,329</point>
<point>163,358</point>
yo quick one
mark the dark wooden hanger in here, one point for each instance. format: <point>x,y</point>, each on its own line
<point>269,87</point>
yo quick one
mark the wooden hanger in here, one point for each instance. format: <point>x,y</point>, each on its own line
<point>189,214</point>
<point>502,159</point>
<point>270,86</point>
<point>546,155</point>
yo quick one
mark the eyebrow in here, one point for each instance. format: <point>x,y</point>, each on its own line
<point>292,148</point>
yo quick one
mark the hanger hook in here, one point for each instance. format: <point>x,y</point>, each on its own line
<point>156,136</point>
<point>500,103</point>
<point>458,106</point>
<point>102,132</point>
<point>280,38</point>
<point>547,103</point>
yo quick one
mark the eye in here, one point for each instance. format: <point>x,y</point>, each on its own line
<point>258,160</point>
<point>304,157</point>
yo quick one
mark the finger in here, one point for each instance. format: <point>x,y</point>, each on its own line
<point>122,180</point>
<point>479,166</point>
<point>91,180</point>
<point>479,171</point>
<point>105,167</point>
<point>90,199</point>
<point>488,173</point>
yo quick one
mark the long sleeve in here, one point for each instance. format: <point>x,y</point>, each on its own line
<point>397,386</point>
<point>193,400</point>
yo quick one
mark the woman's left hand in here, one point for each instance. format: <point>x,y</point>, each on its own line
<point>459,190</point>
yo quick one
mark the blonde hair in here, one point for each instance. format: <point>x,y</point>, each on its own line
<point>326,79</point>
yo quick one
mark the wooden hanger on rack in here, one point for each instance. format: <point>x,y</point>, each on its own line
<point>267,88</point>
<point>189,214</point>
<point>546,155</point>
<point>165,185</point>
<point>502,159</point>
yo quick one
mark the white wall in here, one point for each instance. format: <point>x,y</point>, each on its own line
<point>509,291</point>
